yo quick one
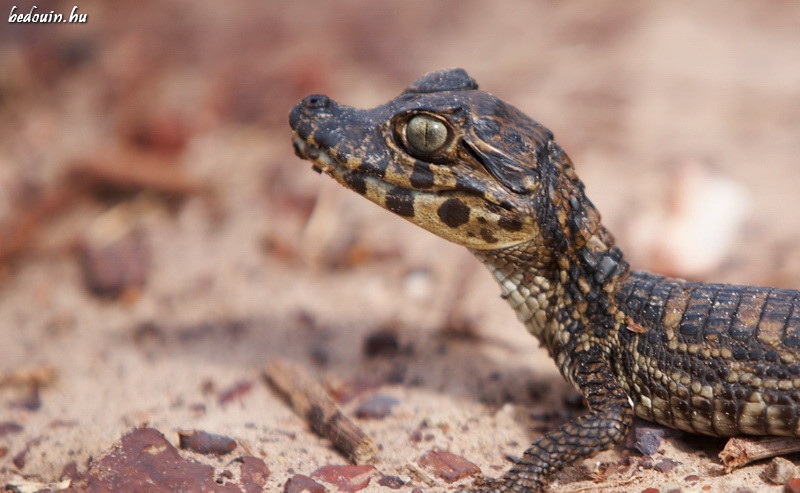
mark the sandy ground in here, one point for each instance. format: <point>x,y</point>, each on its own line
<point>233,252</point>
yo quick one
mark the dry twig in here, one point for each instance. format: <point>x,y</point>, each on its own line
<point>740,451</point>
<point>309,400</point>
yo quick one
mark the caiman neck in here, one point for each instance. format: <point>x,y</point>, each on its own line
<point>568,273</point>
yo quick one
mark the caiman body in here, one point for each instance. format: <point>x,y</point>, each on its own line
<point>706,358</point>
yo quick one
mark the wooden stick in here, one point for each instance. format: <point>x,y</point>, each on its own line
<point>309,400</point>
<point>740,451</point>
<point>38,377</point>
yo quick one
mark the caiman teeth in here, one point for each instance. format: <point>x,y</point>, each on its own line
<point>320,159</point>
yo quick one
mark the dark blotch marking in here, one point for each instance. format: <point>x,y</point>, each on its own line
<point>304,129</point>
<point>453,213</point>
<point>375,168</point>
<point>325,138</point>
<point>356,182</point>
<point>400,201</point>
<point>344,151</point>
<point>487,236</point>
<point>509,224</point>
<point>421,177</point>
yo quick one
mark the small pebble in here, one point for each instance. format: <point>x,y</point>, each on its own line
<point>666,465</point>
<point>302,484</point>
<point>254,471</point>
<point>8,427</point>
<point>114,261</point>
<point>376,407</point>
<point>346,478</point>
<point>206,443</point>
<point>448,466</point>
<point>235,391</point>
<point>381,343</point>
<point>646,437</point>
<point>392,482</point>
<point>779,471</point>
<point>20,459</point>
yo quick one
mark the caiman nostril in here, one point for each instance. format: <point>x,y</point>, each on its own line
<point>316,101</point>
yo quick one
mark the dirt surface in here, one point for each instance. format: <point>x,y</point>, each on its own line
<point>160,244</point>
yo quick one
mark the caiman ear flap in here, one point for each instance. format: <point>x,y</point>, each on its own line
<point>451,79</point>
<point>509,172</point>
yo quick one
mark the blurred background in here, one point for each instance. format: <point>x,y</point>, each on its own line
<point>159,241</point>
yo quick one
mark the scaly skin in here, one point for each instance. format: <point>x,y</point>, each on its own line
<point>714,359</point>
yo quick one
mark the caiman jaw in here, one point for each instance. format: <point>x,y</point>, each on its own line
<point>320,159</point>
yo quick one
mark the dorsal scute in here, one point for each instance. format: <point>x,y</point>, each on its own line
<point>452,79</point>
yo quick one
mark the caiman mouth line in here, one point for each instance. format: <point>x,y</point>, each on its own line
<point>324,162</point>
<point>320,159</point>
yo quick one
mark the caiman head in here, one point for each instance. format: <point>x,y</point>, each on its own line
<point>455,160</point>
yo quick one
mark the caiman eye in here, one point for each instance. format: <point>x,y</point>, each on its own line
<point>426,134</point>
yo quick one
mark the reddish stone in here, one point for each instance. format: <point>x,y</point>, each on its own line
<point>206,443</point>
<point>346,478</point>
<point>254,474</point>
<point>448,466</point>
<point>110,268</point>
<point>792,486</point>
<point>70,471</point>
<point>392,482</point>
<point>666,465</point>
<point>235,391</point>
<point>299,483</point>
<point>650,490</point>
<point>8,427</point>
<point>20,459</point>
<point>143,460</point>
